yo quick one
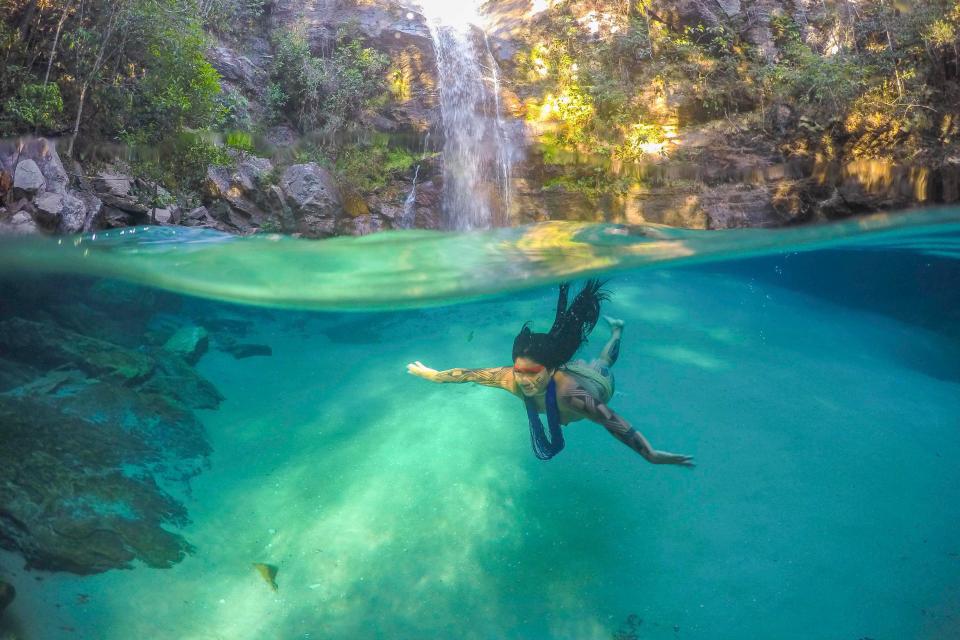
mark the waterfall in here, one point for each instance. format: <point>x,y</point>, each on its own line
<point>409,210</point>
<point>505,147</point>
<point>477,153</point>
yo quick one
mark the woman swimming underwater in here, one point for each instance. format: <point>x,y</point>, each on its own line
<point>565,391</point>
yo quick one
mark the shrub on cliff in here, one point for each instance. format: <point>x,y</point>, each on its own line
<point>35,106</point>
<point>875,78</point>
<point>886,83</point>
<point>231,18</point>
<point>371,162</point>
<point>178,162</point>
<point>608,88</point>
<point>826,83</point>
<point>324,92</point>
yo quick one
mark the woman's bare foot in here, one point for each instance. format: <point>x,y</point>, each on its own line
<point>613,322</point>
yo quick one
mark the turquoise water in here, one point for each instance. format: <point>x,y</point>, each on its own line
<point>813,373</point>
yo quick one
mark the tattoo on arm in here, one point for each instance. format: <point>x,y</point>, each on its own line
<point>495,377</point>
<point>591,408</point>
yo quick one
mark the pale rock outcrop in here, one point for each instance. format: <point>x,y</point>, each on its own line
<point>165,215</point>
<point>43,151</point>
<point>677,14</point>
<point>238,68</point>
<point>61,212</point>
<point>314,199</point>
<point>251,170</point>
<point>239,198</point>
<point>28,179</point>
<point>201,217</point>
<point>361,225</point>
<point>116,192</point>
<point>42,188</point>
<point>93,207</point>
<point>224,184</point>
<point>19,224</point>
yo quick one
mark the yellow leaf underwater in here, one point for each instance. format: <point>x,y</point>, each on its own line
<point>268,572</point>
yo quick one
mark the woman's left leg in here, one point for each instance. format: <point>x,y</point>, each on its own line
<point>611,350</point>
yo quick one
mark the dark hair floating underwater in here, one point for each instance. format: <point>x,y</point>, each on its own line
<point>542,447</point>
<point>570,329</point>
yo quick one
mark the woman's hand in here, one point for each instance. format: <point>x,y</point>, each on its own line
<point>665,457</point>
<point>419,369</point>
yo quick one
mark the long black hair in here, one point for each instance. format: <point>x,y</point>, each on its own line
<point>570,328</point>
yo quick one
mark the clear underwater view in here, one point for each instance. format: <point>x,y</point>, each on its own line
<point>813,373</point>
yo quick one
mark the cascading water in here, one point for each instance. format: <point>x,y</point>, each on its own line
<point>477,153</point>
<point>505,149</point>
<point>409,205</point>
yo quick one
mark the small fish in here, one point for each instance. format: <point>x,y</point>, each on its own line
<point>470,337</point>
<point>268,572</point>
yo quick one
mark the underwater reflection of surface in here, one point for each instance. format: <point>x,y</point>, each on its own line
<point>912,287</point>
<point>417,268</point>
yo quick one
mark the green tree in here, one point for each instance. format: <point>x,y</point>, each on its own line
<point>175,86</point>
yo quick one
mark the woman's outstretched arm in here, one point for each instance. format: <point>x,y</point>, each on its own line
<point>501,377</point>
<point>584,403</point>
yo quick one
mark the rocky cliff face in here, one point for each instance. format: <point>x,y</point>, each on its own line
<point>703,156</point>
<point>407,120</point>
<point>700,145</point>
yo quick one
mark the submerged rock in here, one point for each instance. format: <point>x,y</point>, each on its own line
<point>50,346</point>
<point>7,594</point>
<point>15,374</point>
<point>73,496</point>
<point>190,343</point>
<point>176,380</point>
<point>96,437</point>
<point>240,350</point>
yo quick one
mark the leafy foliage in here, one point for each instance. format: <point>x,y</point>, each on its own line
<point>35,106</point>
<point>179,162</point>
<point>826,82</point>
<point>176,87</point>
<point>231,18</point>
<point>367,166</point>
<point>880,78</point>
<point>325,93</point>
<point>239,141</point>
<point>133,71</point>
<point>233,111</point>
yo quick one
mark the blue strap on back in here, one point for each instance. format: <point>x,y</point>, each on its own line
<point>542,447</point>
